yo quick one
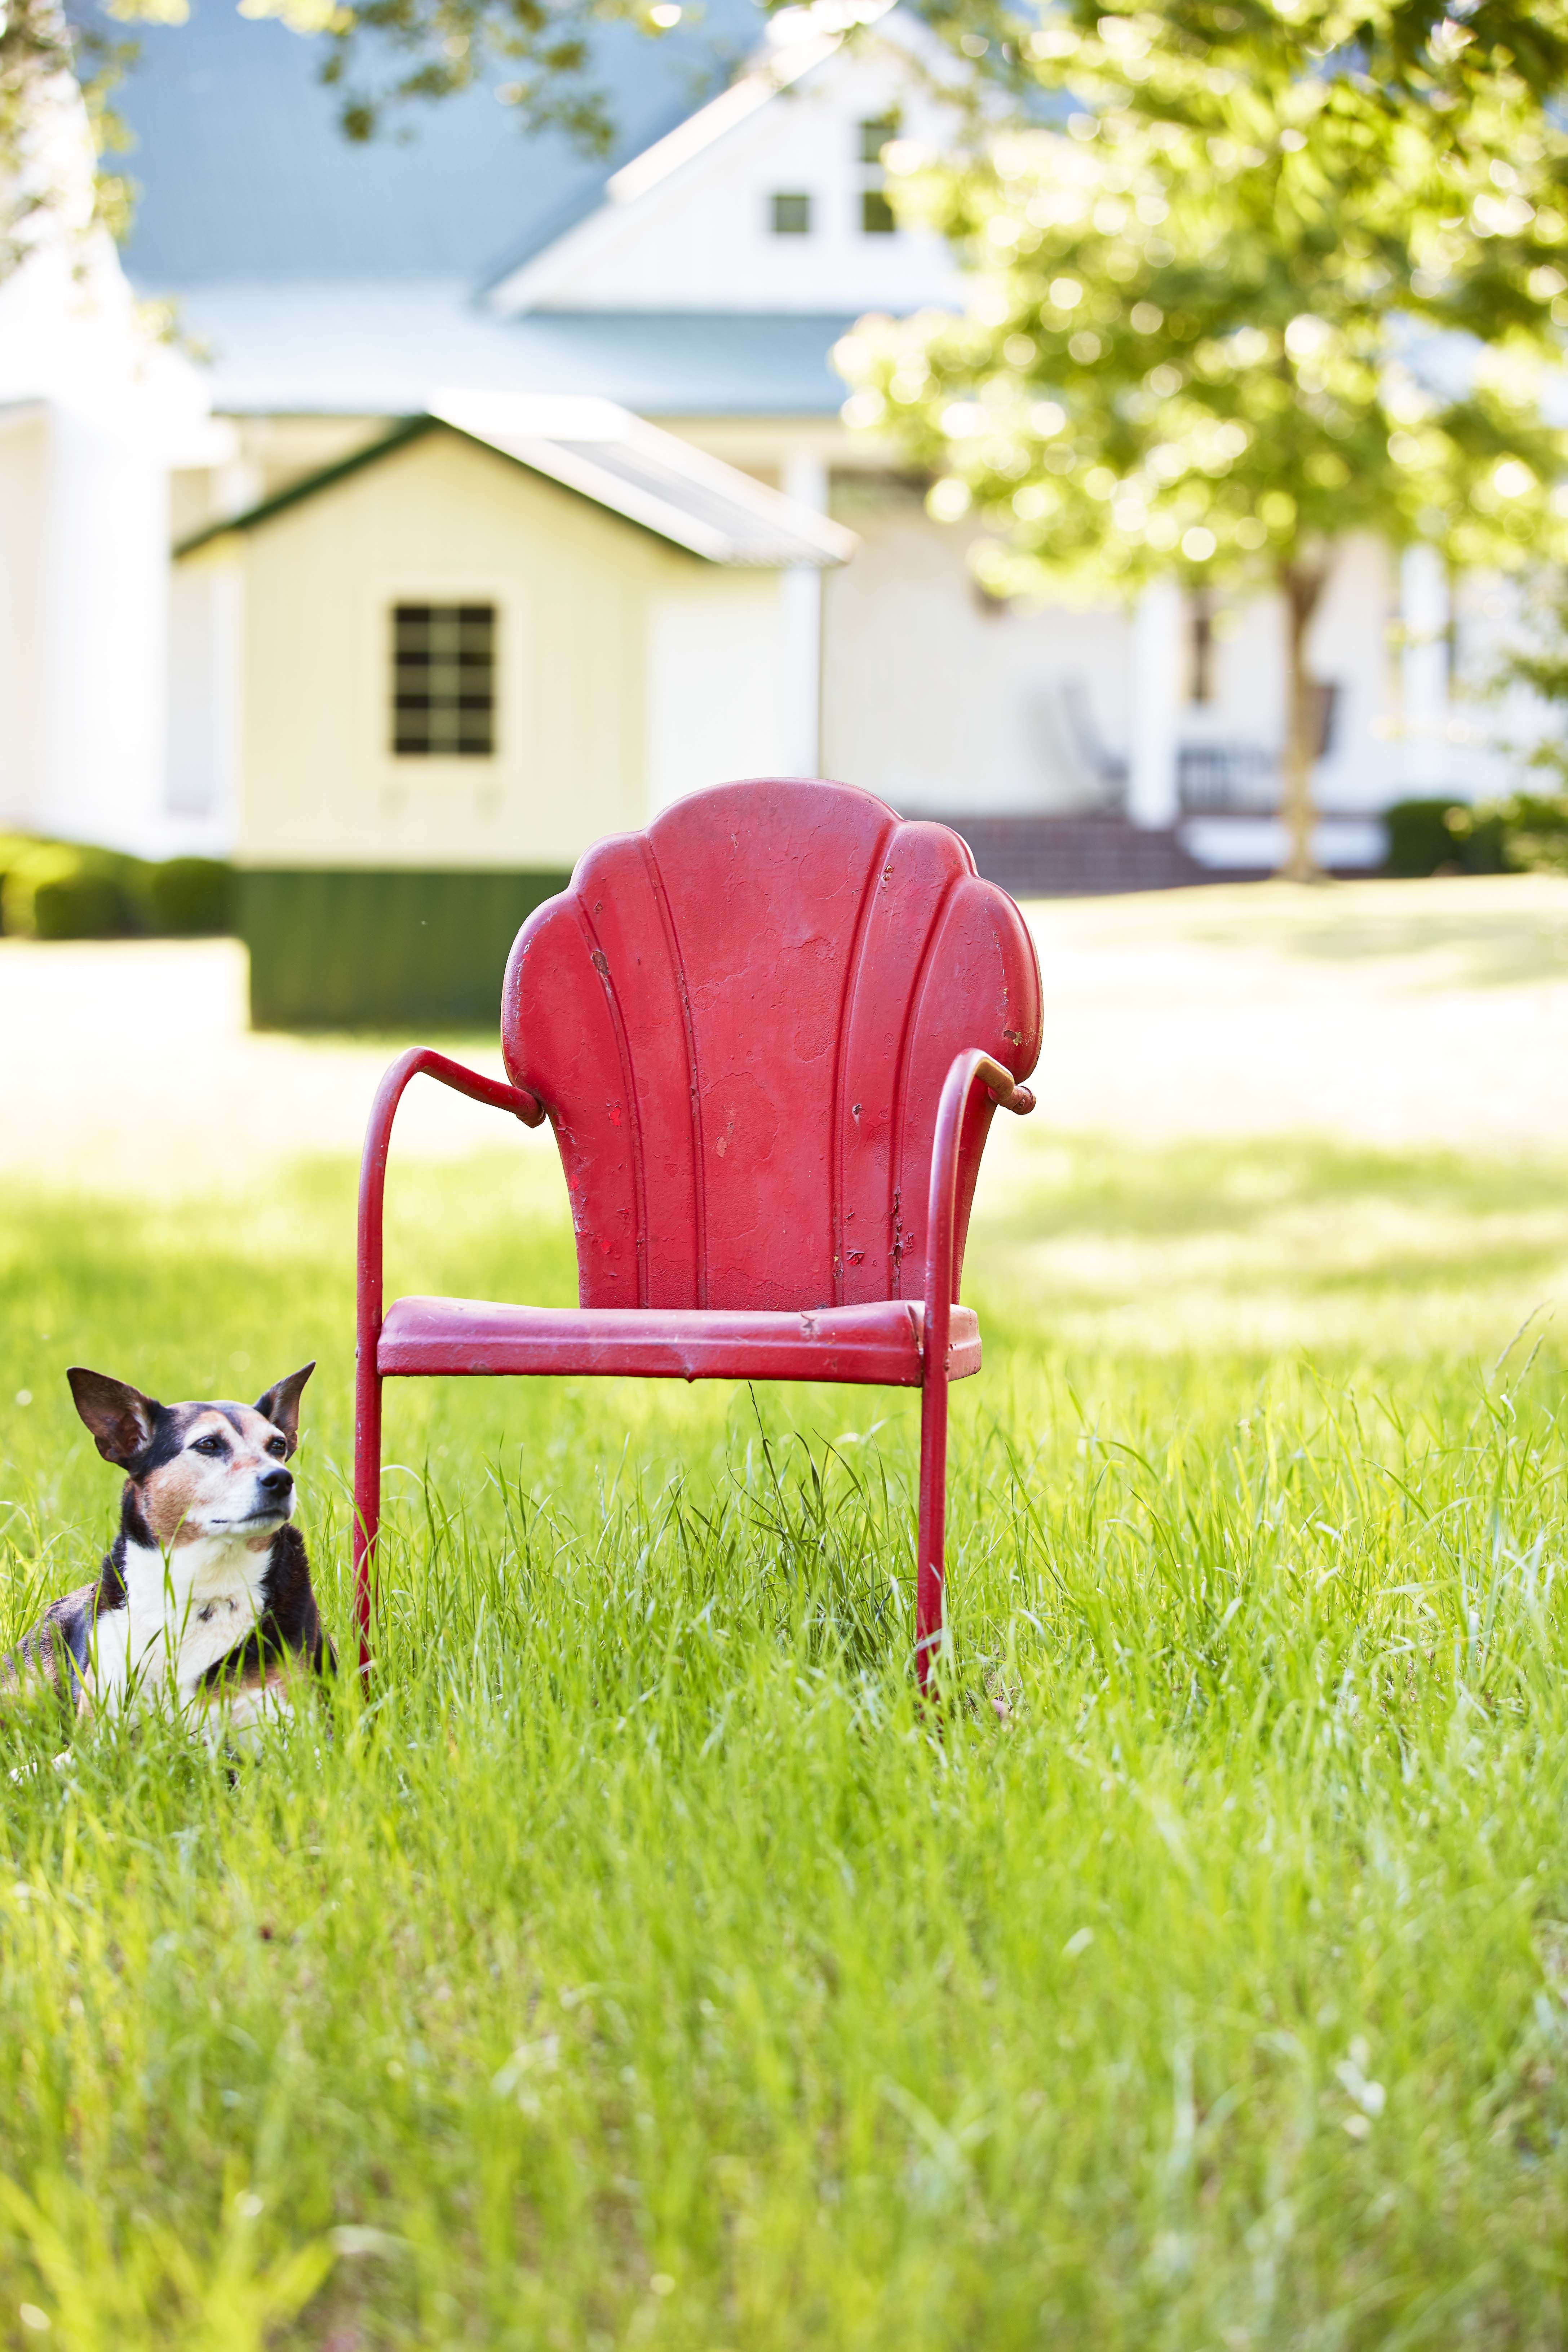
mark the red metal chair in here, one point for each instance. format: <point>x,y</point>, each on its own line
<point>769,1032</point>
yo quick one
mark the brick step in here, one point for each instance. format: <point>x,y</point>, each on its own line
<point>1076,856</point>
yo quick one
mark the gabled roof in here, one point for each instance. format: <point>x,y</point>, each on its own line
<point>801,38</point>
<point>776,66</point>
<point>603,453</point>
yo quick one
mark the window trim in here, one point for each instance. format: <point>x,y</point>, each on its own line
<point>409,756</point>
<point>777,199</point>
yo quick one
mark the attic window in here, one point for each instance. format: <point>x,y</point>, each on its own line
<point>876,212</point>
<point>443,681</point>
<point>792,214</point>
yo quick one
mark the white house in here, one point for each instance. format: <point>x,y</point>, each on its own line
<point>700,287</point>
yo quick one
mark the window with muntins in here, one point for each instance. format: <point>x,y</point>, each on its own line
<point>443,681</point>
<point>792,213</point>
<point>876,212</point>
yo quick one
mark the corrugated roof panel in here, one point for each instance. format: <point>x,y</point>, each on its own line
<point>648,477</point>
<point>653,478</point>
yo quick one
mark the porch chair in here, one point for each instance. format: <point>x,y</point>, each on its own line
<point>769,1033</point>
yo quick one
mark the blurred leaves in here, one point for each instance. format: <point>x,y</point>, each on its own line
<point>1274,277</point>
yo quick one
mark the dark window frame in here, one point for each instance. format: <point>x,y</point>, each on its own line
<point>443,681</point>
<point>779,208</point>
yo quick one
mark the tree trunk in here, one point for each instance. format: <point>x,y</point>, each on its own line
<point>1301,585</point>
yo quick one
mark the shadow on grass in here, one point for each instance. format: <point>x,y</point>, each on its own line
<point>1495,947</point>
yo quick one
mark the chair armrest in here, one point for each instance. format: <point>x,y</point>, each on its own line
<point>969,1069</point>
<point>420,1061</point>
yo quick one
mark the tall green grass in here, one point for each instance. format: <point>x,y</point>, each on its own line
<point>639,1966</point>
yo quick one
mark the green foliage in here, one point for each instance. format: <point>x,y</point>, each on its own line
<point>59,890</point>
<point>1214,320</point>
<point>40,50</point>
<point>436,48</point>
<point>1537,661</point>
<point>638,1966</point>
<point>185,896</point>
<point>1194,337</point>
<point>70,890</point>
<point>1531,830</point>
<point>1434,836</point>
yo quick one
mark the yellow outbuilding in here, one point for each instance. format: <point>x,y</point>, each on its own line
<point>442,667</point>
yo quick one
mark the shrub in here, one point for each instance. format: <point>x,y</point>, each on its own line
<point>70,890</point>
<point>1532,828</point>
<point>1429,837</point>
<point>59,891</point>
<point>13,849</point>
<point>78,906</point>
<point>189,897</point>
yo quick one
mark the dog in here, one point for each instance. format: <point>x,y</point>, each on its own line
<point>204,1603</point>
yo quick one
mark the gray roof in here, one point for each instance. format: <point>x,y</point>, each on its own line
<point>244,172</point>
<point>320,278</point>
<point>385,348</point>
<point>601,452</point>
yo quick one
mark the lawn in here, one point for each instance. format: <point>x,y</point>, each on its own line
<point>639,1966</point>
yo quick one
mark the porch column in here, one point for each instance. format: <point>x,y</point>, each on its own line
<point>804,479</point>
<point>1151,795</point>
<point>1424,667</point>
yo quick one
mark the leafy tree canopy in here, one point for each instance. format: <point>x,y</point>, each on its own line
<point>1276,276</point>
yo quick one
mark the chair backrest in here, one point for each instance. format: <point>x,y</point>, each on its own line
<point>740,1022</point>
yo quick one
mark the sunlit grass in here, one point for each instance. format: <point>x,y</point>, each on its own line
<point>639,1967</point>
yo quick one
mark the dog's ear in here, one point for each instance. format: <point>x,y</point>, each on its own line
<point>280,1405</point>
<point>121,1418</point>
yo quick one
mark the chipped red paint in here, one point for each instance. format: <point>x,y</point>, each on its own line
<point>762,1031</point>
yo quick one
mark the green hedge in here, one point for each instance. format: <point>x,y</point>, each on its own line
<point>70,890</point>
<point>1532,828</point>
<point>349,949</point>
<point>1525,834</point>
<point>338,948</point>
<point>1434,836</point>
<point>189,897</point>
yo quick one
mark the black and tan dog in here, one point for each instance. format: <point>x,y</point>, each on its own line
<point>205,1603</point>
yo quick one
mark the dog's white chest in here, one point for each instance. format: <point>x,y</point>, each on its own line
<point>184,1611</point>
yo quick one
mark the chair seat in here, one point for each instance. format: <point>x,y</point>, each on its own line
<point>878,1344</point>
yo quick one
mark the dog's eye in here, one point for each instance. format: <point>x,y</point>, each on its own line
<point>211,1444</point>
<point>277,1445</point>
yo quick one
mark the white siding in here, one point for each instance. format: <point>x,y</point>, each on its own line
<point>701,238</point>
<point>941,702</point>
<point>718,686</point>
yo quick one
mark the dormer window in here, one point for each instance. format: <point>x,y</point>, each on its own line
<point>876,213</point>
<point>791,214</point>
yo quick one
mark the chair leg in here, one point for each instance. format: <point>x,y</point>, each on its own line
<point>367,1491</point>
<point>932,1535</point>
